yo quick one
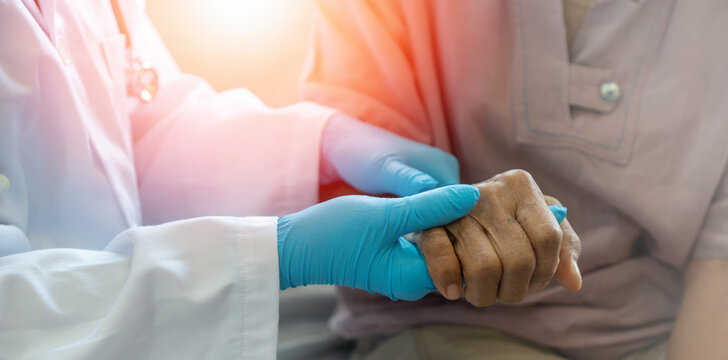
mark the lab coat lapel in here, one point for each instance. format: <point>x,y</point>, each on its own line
<point>101,116</point>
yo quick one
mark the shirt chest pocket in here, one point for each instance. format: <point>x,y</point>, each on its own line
<point>595,112</point>
<point>590,102</point>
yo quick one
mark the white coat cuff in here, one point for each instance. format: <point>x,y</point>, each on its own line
<point>301,187</point>
<point>258,249</point>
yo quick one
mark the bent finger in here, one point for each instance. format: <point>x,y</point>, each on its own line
<point>517,258</point>
<point>442,263</point>
<point>545,236</point>
<point>443,166</point>
<point>401,179</point>
<point>479,261</point>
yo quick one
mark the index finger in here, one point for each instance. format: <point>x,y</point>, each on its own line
<point>442,262</point>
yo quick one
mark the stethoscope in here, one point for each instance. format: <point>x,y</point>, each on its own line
<point>142,80</point>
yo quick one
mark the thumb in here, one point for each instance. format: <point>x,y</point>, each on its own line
<point>431,208</point>
<point>408,273</point>
<point>397,178</point>
<point>568,273</point>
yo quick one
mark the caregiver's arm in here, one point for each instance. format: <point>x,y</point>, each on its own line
<point>208,286</point>
<point>161,292</point>
<point>199,152</point>
<point>701,329</point>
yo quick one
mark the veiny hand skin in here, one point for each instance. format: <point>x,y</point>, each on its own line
<point>510,244</point>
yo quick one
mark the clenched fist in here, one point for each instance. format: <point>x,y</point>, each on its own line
<point>510,244</point>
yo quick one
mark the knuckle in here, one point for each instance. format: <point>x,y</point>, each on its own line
<point>543,273</point>
<point>491,268</point>
<point>550,200</point>
<point>521,265</point>
<point>436,247</point>
<point>474,271</point>
<point>518,176</point>
<point>550,237</point>
<point>487,266</point>
<point>478,270</point>
<point>572,243</point>
<point>488,190</point>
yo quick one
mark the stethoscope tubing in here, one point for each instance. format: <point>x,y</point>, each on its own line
<point>142,77</point>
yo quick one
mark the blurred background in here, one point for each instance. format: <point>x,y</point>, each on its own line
<point>257,44</point>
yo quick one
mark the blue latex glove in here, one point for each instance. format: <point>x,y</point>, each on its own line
<point>356,241</point>
<point>559,212</point>
<point>377,161</point>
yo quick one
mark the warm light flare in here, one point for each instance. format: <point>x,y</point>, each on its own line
<point>257,44</point>
<point>250,16</point>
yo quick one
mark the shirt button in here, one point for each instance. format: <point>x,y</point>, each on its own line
<point>62,47</point>
<point>4,183</point>
<point>610,92</point>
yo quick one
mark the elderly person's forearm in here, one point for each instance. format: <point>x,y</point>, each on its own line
<point>701,329</point>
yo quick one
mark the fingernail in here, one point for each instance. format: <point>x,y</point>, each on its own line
<point>427,184</point>
<point>575,267</point>
<point>453,292</point>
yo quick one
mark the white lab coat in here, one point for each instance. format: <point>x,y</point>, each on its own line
<point>79,277</point>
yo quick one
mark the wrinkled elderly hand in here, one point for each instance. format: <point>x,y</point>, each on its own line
<point>510,244</point>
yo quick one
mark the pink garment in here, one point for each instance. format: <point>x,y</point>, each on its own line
<point>644,177</point>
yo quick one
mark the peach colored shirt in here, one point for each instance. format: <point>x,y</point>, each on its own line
<point>644,177</point>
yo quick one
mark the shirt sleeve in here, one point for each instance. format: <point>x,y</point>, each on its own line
<point>365,62</point>
<point>199,288</point>
<point>199,152</point>
<point>713,237</point>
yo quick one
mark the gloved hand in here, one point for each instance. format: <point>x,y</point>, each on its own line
<point>356,241</point>
<point>377,161</point>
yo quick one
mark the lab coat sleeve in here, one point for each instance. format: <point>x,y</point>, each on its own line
<point>204,288</point>
<point>199,152</point>
<point>712,241</point>
<point>365,61</point>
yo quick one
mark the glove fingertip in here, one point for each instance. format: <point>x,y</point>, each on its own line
<point>559,212</point>
<point>467,196</point>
